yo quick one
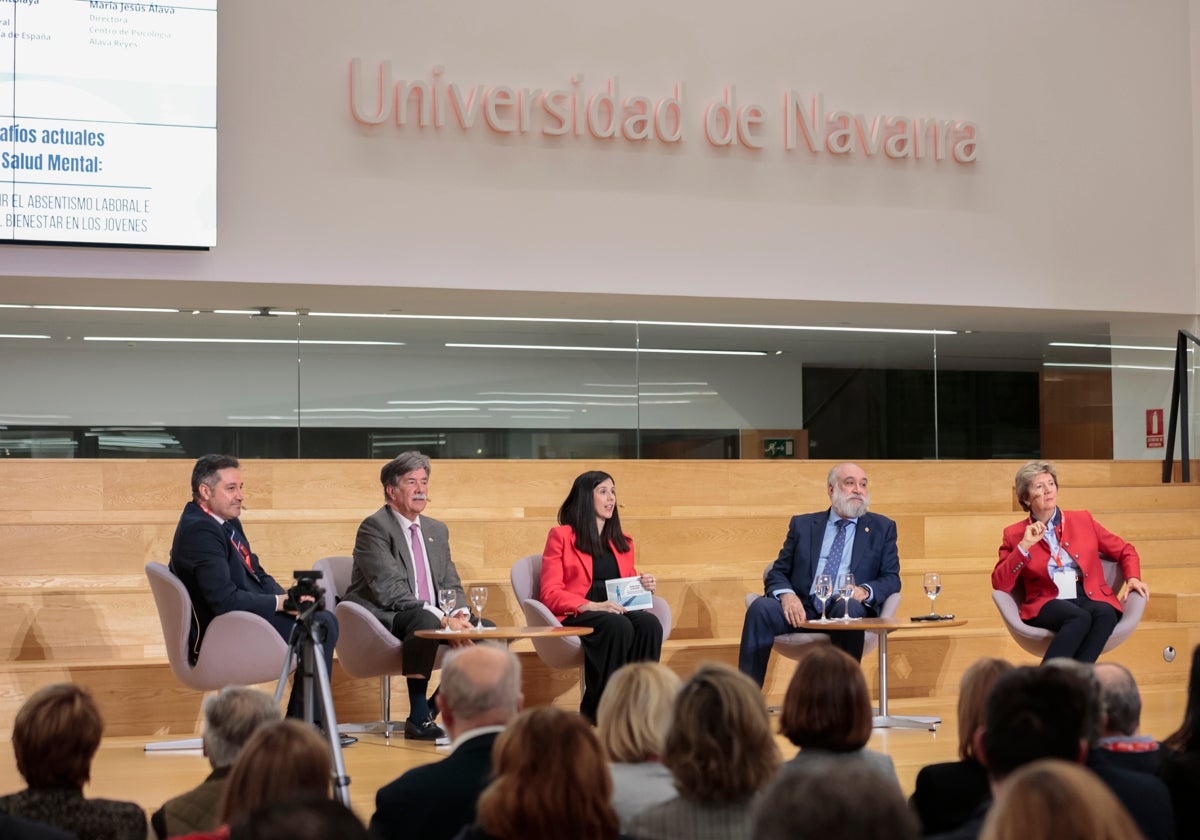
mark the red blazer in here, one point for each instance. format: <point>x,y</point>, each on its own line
<point>567,571</point>
<point>1084,539</point>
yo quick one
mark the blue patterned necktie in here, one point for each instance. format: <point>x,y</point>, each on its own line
<point>835,550</point>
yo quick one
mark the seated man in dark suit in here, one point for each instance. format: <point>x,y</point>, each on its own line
<point>480,693</point>
<point>843,539</point>
<point>211,555</point>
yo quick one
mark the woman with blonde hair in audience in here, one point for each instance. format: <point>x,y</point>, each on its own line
<point>947,794</point>
<point>632,723</point>
<point>721,752</point>
<point>1051,799</point>
<point>827,711</point>
<point>55,737</point>
<point>282,760</point>
<point>551,783</point>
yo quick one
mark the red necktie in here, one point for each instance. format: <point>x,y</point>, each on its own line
<point>242,550</point>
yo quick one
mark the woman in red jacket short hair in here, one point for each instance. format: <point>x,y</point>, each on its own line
<point>1056,555</point>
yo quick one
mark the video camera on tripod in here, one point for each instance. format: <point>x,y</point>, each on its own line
<point>306,649</point>
<point>305,587</point>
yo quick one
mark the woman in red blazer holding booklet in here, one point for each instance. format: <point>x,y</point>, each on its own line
<point>585,551</point>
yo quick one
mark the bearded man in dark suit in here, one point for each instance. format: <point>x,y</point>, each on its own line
<point>844,538</point>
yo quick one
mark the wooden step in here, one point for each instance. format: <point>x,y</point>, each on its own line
<point>1173,607</point>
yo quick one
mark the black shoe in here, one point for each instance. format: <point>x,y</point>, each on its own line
<point>347,740</point>
<point>427,731</point>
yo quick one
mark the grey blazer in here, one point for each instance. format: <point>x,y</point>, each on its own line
<point>383,580</point>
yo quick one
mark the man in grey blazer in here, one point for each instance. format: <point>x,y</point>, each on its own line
<point>401,560</point>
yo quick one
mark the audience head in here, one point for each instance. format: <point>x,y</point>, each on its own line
<point>547,765</point>
<point>207,470</point>
<point>282,760</point>
<point>1034,712</point>
<point>481,686</point>
<point>304,818</point>
<point>55,736</point>
<point>1187,737</point>
<point>973,691</point>
<point>1052,799</point>
<point>720,747</point>
<point>230,718</point>
<point>1027,474</point>
<point>827,705</point>
<point>1084,672</point>
<point>635,712</point>
<point>831,798</point>
<point>1120,698</point>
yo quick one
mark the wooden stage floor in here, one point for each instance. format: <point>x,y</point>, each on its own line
<point>123,770</point>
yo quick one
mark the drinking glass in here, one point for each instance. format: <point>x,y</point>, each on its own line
<point>933,588</point>
<point>822,592</point>
<point>446,599</point>
<point>846,590</point>
<point>478,596</point>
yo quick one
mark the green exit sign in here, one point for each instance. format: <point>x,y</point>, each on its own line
<point>779,447</point>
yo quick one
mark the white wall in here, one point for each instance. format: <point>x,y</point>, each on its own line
<point>1082,196</point>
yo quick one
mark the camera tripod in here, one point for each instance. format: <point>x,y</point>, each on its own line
<point>307,651</point>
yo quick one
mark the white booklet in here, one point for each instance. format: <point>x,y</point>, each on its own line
<point>628,592</point>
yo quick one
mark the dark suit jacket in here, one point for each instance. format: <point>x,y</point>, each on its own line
<point>383,579</point>
<point>567,571</point>
<point>1181,774</point>
<point>1081,536</point>
<point>204,557</point>
<point>436,800</point>
<point>874,561</point>
<point>1144,796</point>
<point>947,795</point>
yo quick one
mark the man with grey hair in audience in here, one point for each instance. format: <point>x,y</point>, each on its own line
<point>230,718</point>
<point>1120,744</point>
<point>479,695</point>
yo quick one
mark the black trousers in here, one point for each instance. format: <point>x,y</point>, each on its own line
<point>327,629</point>
<point>1081,627</point>
<point>616,639</point>
<point>418,655</point>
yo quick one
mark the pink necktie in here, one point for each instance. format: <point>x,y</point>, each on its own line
<point>419,565</point>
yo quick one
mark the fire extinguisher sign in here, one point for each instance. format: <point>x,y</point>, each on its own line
<point>1154,428</point>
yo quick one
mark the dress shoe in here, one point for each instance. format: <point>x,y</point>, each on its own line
<point>347,740</point>
<point>427,731</point>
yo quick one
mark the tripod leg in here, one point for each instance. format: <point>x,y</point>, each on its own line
<point>287,667</point>
<point>341,781</point>
<point>305,673</point>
